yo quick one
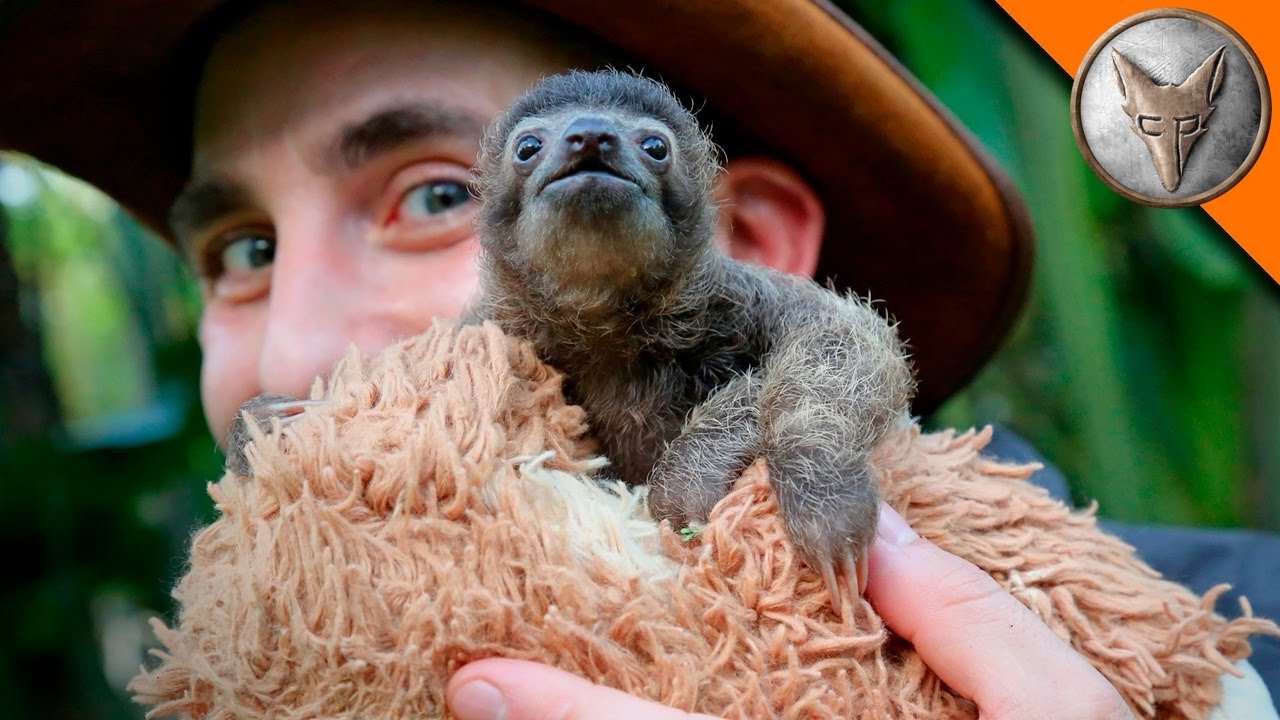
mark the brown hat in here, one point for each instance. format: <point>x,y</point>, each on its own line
<point>918,215</point>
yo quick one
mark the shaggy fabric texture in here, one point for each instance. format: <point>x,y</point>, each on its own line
<point>439,509</point>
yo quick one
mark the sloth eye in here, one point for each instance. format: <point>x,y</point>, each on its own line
<point>654,147</point>
<point>527,147</point>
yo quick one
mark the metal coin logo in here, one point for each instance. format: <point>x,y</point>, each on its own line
<point>1170,108</point>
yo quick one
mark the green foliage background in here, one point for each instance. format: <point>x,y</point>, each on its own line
<point>1147,366</point>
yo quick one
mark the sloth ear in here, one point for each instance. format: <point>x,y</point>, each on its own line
<point>769,215</point>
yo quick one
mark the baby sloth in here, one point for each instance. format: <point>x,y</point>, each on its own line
<point>597,245</point>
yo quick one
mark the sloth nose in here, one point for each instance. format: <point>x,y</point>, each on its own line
<point>590,134</point>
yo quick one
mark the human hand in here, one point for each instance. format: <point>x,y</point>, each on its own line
<point>977,637</point>
<point>981,641</point>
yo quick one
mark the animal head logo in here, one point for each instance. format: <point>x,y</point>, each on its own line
<point>1170,118</point>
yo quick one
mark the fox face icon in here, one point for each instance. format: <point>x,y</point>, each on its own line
<point>1169,76</point>
<point>1170,118</point>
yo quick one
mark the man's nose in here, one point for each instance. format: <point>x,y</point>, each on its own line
<point>318,308</point>
<point>591,134</point>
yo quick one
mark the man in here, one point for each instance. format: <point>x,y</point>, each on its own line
<point>326,205</point>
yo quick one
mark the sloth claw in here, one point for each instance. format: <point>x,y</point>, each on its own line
<point>261,409</point>
<point>833,589</point>
<point>292,410</point>
<point>862,568</point>
<point>853,571</point>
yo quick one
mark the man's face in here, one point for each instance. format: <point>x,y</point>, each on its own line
<point>328,205</point>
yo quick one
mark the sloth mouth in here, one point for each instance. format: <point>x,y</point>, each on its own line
<point>589,166</point>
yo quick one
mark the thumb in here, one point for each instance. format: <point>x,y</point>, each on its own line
<point>502,689</point>
<point>977,637</point>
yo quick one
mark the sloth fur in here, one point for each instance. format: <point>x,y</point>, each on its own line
<point>690,364</point>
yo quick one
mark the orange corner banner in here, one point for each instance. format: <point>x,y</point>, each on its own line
<point>1067,30</point>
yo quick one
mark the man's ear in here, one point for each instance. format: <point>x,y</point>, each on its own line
<point>769,215</point>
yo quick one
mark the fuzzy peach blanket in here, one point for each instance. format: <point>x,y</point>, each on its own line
<point>439,510</point>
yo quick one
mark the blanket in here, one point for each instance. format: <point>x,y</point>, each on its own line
<point>446,504</point>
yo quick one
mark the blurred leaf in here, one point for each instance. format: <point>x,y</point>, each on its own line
<point>1125,369</point>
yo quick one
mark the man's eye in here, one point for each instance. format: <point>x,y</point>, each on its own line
<point>248,253</point>
<point>236,265</point>
<point>434,198</point>
<point>429,207</point>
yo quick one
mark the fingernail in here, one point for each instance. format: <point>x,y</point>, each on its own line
<point>478,700</point>
<point>892,528</point>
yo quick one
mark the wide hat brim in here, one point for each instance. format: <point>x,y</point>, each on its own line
<point>918,215</point>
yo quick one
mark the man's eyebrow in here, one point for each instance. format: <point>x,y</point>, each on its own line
<point>393,126</point>
<point>205,200</point>
<point>202,202</point>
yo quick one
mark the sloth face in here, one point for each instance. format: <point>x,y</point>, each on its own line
<point>594,166</point>
<point>599,181</point>
<point>592,189</point>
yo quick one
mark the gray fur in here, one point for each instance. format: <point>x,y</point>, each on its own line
<point>690,364</point>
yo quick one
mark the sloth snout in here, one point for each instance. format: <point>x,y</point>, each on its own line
<point>591,134</point>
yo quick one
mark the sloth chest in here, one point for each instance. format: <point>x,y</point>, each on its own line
<point>636,409</point>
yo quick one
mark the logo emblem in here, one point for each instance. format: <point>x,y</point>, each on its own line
<point>1170,108</point>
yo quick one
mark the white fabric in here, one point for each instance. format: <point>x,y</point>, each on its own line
<point>1244,698</point>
